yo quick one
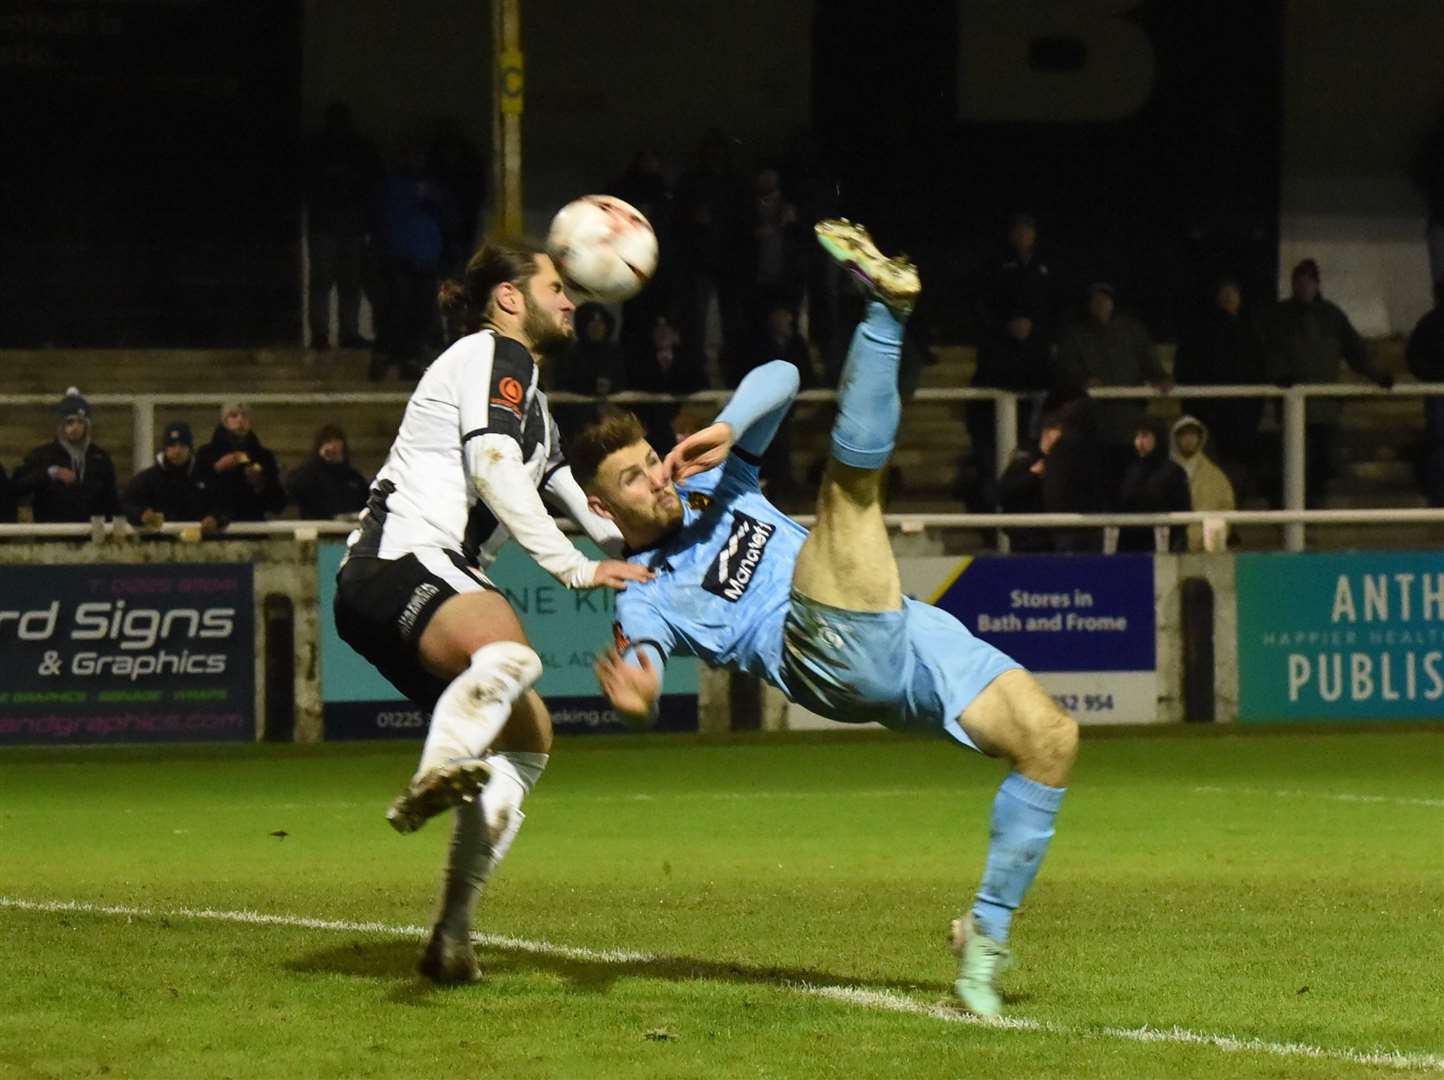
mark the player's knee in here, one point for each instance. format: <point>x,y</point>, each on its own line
<point>1050,742</point>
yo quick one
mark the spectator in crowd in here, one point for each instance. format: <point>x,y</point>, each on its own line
<point>645,185</point>
<point>1224,347</point>
<point>241,472</point>
<point>691,419</point>
<point>1022,285</point>
<point>1208,485</point>
<point>325,485</point>
<point>457,164</point>
<point>68,479</point>
<point>1109,348</point>
<point>711,210</point>
<point>1305,338</point>
<point>813,185</point>
<point>1425,357</point>
<point>594,365</point>
<point>340,171</point>
<point>777,339</point>
<point>664,366</point>
<point>1020,489</point>
<point>1015,344</point>
<point>1071,471</point>
<point>776,261</point>
<point>173,489</point>
<point>7,499</point>
<point>1429,175</point>
<point>1152,484</point>
<point>416,221</point>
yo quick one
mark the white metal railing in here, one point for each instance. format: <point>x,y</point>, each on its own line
<point>100,530</point>
<point>1294,424</point>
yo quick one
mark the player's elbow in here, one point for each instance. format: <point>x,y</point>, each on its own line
<point>789,379</point>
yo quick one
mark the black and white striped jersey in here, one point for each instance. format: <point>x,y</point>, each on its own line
<point>476,452</point>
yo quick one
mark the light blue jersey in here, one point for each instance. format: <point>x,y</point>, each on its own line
<point>723,579</point>
<point>723,593</point>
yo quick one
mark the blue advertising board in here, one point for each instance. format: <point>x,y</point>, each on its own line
<point>1340,636</point>
<point>1083,625</point>
<point>567,628</point>
<point>160,652</point>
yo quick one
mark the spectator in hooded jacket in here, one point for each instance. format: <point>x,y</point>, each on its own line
<point>1152,484</point>
<point>1208,485</point>
<point>69,479</point>
<point>326,486</point>
<point>242,473</point>
<point>173,489</point>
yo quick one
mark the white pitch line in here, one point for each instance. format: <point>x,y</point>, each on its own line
<point>1329,796</point>
<point>880,1000</point>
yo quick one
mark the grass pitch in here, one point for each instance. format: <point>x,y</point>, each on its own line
<point>1214,904</point>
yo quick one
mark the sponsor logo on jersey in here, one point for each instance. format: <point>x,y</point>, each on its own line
<point>698,500</point>
<point>731,573</point>
<point>509,395</point>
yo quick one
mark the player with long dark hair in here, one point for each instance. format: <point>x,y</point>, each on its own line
<point>476,455</point>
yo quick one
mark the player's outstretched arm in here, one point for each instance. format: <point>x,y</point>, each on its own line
<point>633,689</point>
<point>501,480</point>
<point>752,417</point>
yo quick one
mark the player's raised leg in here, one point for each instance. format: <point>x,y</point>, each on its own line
<point>1013,718</point>
<point>847,560</point>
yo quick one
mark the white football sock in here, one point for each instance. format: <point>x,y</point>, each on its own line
<point>474,708</point>
<point>481,834</point>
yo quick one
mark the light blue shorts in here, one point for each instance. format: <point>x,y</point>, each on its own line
<point>913,669</point>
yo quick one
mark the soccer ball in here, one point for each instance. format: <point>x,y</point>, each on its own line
<point>604,248</point>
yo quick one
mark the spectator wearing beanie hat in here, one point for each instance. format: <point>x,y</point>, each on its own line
<point>241,472</point>
<point>326,486</point>
<point>173,489</point>
<point>68,479</point>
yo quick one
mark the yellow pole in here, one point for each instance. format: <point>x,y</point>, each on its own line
<point>506,127</point>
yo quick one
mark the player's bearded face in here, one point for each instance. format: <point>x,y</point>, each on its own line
<point>640,494</point>
<point>547,322</point>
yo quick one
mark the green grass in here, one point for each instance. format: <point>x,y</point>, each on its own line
<point>1220,883</point>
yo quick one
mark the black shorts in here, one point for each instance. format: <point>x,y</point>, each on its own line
<point>384,605</point>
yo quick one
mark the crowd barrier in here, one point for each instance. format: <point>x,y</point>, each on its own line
<point>111,639</point>
<point>1293,419</point>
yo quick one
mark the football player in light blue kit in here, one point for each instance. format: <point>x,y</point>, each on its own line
<point>821,615</point>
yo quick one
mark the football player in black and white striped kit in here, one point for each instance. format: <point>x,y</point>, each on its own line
<point>476,455</point>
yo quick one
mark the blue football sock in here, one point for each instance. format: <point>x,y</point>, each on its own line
<point>1022,825</point>
<point>868,404</point>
